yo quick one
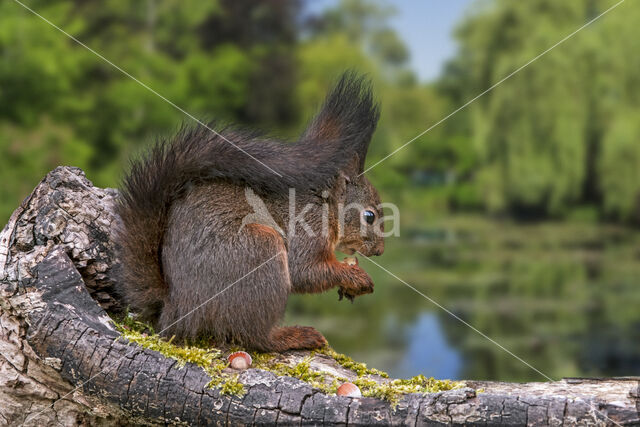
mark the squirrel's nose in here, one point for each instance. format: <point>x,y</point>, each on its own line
<point>378,250</point>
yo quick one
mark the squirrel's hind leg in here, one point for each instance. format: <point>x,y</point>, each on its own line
<point>296,338</point>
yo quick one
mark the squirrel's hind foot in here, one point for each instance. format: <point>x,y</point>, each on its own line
<point>297,338</point>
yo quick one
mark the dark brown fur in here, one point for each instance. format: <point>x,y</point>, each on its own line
<point>187,263</point>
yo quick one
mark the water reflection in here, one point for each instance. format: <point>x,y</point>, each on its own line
<point>564,297</point>
<point>428,352</point>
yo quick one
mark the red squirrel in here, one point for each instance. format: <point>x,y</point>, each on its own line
<point>194,266</point>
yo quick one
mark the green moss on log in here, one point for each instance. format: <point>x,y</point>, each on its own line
<point>372,382</point>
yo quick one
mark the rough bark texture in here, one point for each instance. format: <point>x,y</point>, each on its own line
<point>60,362</point>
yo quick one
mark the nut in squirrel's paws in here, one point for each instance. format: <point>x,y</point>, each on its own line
<point>350,260</point>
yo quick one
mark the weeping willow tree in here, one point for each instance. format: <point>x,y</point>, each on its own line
<point>620,168</point>
<point>560,132</point>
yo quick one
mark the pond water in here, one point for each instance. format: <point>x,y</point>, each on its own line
<point>564,297</point>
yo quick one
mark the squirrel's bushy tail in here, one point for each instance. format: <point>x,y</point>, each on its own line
<point>341,131</point>
<point>146,194</point>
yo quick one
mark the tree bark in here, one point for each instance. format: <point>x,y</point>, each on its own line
<point>61,361</point>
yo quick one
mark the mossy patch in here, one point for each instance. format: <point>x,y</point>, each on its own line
<point>211,360</point>
<point>392,390</point>
<point>372,382</point>
<point>302,371</point>
<point>348,363</point>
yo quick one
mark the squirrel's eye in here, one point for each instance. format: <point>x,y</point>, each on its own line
<point>369,217</point>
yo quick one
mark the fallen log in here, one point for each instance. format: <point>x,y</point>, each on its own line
<point>62,360</point>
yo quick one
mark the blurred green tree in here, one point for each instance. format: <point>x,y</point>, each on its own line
<point>61,104</point>
<point>554,137</point>
<point>539,136</point>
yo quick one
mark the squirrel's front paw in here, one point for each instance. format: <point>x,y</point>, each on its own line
<point>360,284</point>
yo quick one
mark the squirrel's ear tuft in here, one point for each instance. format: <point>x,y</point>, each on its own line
<point>346,120</point>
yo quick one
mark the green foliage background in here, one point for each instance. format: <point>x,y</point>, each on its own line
<point>559,135</point>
